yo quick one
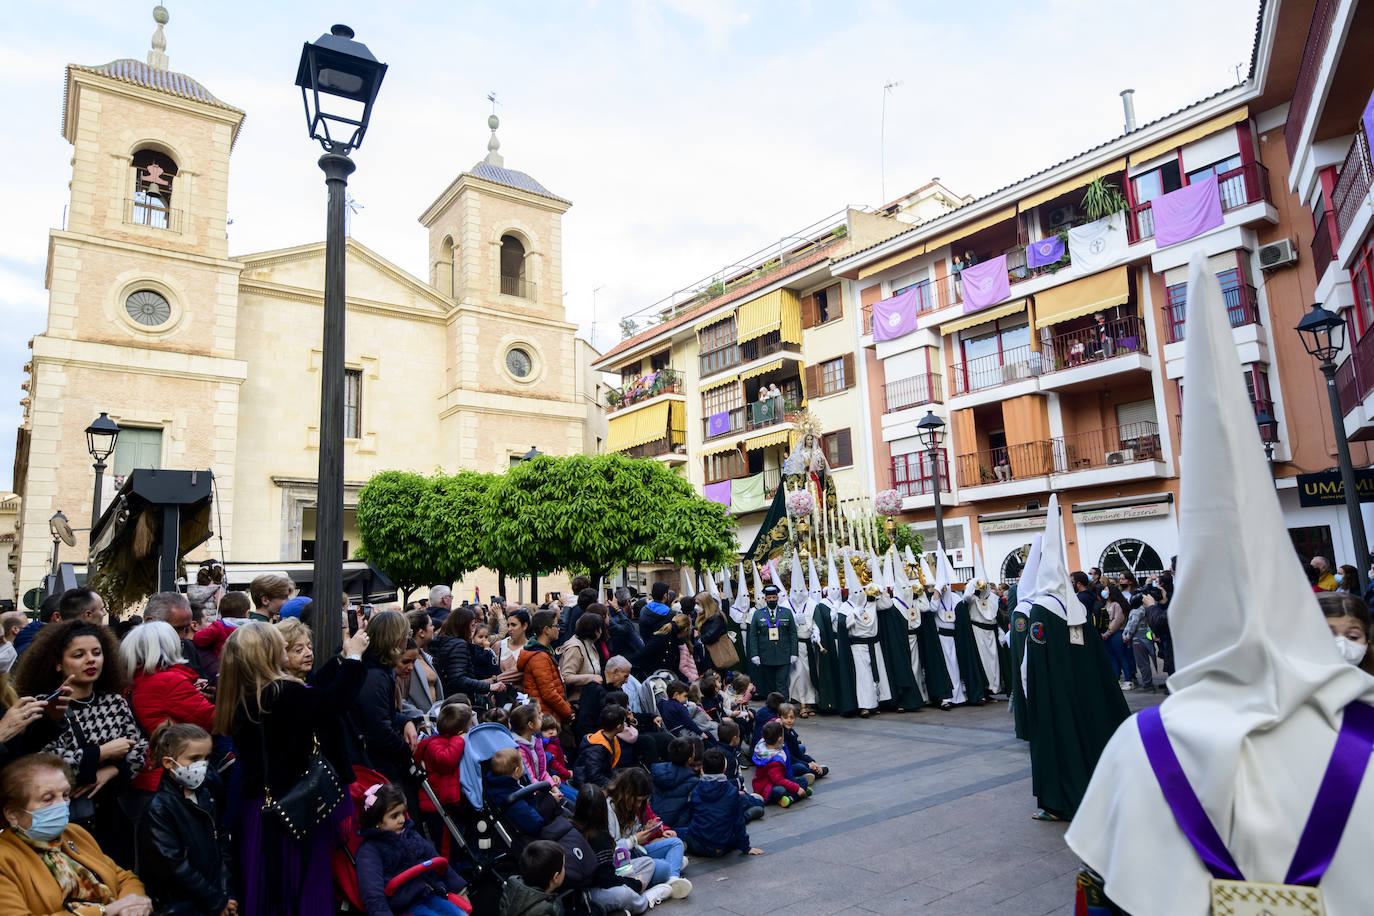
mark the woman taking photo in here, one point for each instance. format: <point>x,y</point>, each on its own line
<point>579,659</point>
<point>387,743</point>
<point>102,743</point>
<point>49,865</point>
<point>276,722</point>
<point>27,724</point>
<point>453,656</point>
<point>162,690</point>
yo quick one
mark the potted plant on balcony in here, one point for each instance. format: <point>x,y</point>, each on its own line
<point>614,398</point>
<point>1102,198</point>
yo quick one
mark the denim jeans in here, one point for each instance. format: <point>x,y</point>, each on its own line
<point>627,898</point>
<point>667,856</point>
<point>1143,651</point>
<point>434,906</point>
<point>1121,663</point>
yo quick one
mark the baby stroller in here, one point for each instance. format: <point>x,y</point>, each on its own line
<point>344,858</point>
<point>497,842</point>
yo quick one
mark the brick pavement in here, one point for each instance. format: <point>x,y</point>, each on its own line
<point>926,812</point>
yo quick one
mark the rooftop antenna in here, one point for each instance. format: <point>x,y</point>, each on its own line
<point>882,139</point>
<point>494,145</point>
<point>351,206</point>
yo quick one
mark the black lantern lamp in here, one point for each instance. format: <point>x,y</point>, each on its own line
<point>1323,333</point>
<point>532,454</point>
<point>931,430</point>
<point>336,76</point>
<point>1268,430</point>
<point>101,436</point>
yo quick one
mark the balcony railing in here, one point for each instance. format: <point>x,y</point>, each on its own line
<point>517,286</point>
<point>1352,185</point>
<point>770,412</point>
<point>670,442</point>
<point>1116,337</point>
<point>1002,465</point>
<point>931,296</point>
<point>733,423</point>
<point>1318,34</point>
<point>720,359</point>
<point>760,347</point>
<point>913,474</point>
<point>1099,448</point>
<point>150,213</point>
<point>912,392</point>
<point>662,381</point>
<point>997,369</point>
<point>1247,184</point>
<point>1242,308</point>
<point>1324,244</point>
<point>1355,376</point>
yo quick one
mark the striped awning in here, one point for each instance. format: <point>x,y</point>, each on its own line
<point>1205,129</point>
<point>718,382</point>
<point>1002,311</point>
<point>760,370</point>
<point>781,437</point>
<point>955,235</point>
<point>779,311</point>
<point>715,448</point>
<point>915,251</point>
<point>1083,297</point>
<point>677,416</point>
<point>626,430</point>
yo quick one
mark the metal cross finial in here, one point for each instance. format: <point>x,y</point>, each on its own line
<point>491,97</point>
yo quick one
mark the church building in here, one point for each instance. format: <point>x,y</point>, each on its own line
<point>207,360</point>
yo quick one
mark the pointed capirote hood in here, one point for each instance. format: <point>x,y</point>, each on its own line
<point>1052,589</point>
<point>910,557</point>
<point>1025,586</point>
<point>758,586</point>
<point>901,582</point>
<point>851,582</point>
<point>726,592</point>
<point>711,586</point>
<point>1259,691</point>
<point>796,589</point>
<point>741,599</point>
<point>979,572</point>
<point>945,596</point>
<point>687,583</point>
<point>832,581</point>
<point>815,580</point>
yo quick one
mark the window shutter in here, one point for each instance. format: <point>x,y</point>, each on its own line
<point>813,381</point>
<point>834,302</point>
<point>843,447</point>
<point>810,315</point>
<point>848,377</point>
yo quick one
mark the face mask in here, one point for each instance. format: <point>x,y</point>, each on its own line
<point>1106,594</point>
<point>1340,577</point>
<point>1353,652</point>
<point>48,823</point>
<point>191,775</point>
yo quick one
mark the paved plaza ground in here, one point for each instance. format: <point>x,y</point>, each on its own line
<point>926,812</point>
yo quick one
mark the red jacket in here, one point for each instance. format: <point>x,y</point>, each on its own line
<point>559,766</point>
<point>166,696</point>
<point>542,680</point>
<point>773,773</point>
<point>440,756</point>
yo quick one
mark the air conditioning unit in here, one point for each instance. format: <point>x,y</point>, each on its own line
<point>1277,254</point>
<point>1063,216</point>
<point>1124,456</point>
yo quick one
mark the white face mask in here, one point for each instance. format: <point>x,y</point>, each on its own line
<point>191,775</point>
<point>1106,594</point>
<point>1353,652</point>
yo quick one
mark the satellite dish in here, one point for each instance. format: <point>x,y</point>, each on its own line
<point>61,530</point>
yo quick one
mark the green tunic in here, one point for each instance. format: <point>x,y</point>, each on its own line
<point>938,684</point>
<point>966,650</point>
<point>1074,706</point>
<point>901,680</point>
<point>1019,623</point>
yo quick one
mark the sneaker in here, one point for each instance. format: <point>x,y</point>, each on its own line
<point>1127,685</point>
<point>808,791</point>
<point>685,862</point>
<point>681,887</point>
<point>658,893</point>
<point>784,801</point>
<point>753,813</point>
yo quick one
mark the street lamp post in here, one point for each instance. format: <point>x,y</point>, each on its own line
<point>931,430</point>
<point>339,79</point>
<point>1323,335</point>
<point>1269,432</point>
<point>101,436</point>
<point>532,454</point>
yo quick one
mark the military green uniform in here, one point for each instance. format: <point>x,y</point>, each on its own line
<point>773,641</point>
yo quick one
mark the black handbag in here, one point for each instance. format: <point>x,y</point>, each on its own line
<point>311,798</point>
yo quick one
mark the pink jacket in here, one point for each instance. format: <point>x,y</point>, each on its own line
<point>532,754</point>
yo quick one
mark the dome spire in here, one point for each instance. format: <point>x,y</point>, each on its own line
<point>494,144</point>
<point>157,57</point>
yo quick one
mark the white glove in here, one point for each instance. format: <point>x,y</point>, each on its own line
<point>794,659</point>
<point>816,637</point>
<point>755,660</point>
<point>1005,639</point>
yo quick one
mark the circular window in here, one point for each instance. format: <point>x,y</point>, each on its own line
<point>1015,563</point>
<point>518,362</point>
<point>1132,556</point>
<point>148,308</point>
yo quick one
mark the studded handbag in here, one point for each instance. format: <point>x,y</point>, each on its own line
<point>311,798</point>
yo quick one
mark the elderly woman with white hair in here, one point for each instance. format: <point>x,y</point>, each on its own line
<point>163,689</point>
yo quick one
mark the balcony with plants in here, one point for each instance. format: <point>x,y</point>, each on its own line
<point>644,388</point>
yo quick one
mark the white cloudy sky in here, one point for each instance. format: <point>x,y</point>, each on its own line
<point>687,133</point>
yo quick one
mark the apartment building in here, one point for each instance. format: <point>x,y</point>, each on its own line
<point>695,386</point>
<point>1057,359</point>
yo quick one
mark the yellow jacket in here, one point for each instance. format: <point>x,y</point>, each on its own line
<point>26,885</point>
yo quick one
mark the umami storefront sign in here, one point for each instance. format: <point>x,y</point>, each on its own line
<point>1325,488</point>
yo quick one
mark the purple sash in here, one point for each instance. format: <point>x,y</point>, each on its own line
<point>1322,833</point>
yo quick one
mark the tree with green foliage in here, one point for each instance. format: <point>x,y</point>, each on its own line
<point>393,520</point>
<point>456,510</point>
<point>696,532</point>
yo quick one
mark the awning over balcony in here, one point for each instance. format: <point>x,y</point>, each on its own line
<point>779,311</point>
<point>715,448</point>
<point>955,235</point>
<point>782,437</point>
<point>1205,129</point>
<point>915,251</point>
<point>715,383</point>
<point>1083,297</point>
<point>1002,311</point>
<point>1073,184</point>
<point>760,370</point>
<point>626,430</point>
<point>677,417</point>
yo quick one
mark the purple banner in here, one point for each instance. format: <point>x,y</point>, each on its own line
<point>718,492</point>
<point>895,317</point>
<point>985,284</point>
<point>1186,213</point>
<point>718,425</point>
<point>1045,251</point>
<point>1368,119</point>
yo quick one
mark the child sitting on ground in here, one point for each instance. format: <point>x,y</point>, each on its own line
<point>391,844</point>
<point>718,813</point>
<point>677,718</point>
<point>699,714</point>
<point>533,891</point>
<point>524,724</point>
<point>767,713</point>
<point>501,782</point>
<point>182,861</point>
<point>729,741</point>
<point>440,754</point>
<point>553,748</point>
<point>734,699</point>
<point>802,762</point>
<point>711,700</point>
<point>622,879</point>
<point>771,776</point>
<point>674,780</point>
